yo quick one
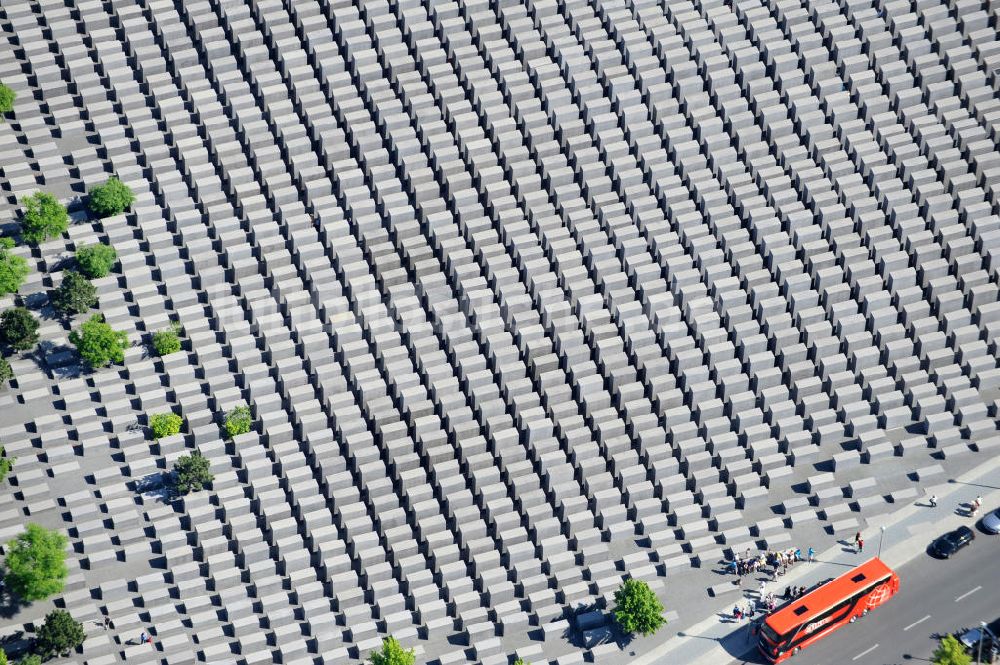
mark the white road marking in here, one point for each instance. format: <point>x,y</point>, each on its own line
<point>918,621</point>
<point>865,652</point>
<point>968,593</point>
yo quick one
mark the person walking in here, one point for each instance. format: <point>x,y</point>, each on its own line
<point>933,500</point>
<point>861,545</point>
<point>107,623</point>
<point>143,637</point>
<point>763,588</point>
<point>812,555</point>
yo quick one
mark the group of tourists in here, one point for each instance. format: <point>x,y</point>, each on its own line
<point>766,601</point>
<point>775,563</point>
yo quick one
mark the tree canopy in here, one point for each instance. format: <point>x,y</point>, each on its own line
<point>95,261</point>
<point>951,652</point>
<point>165,424</point>
<point>111,198</point>
<point>7,97</point>
<point>36,563</point>
<point>392,653</point>
<point>75,294</point>
<point>60,634</point>
<point>6,464</point>
<point>238,420</point>
<point>192,472</point>
<point>98,343</point>
<point>13,270</point>
<point>19,328</point>
<point>44,217</point>
<point>637,609</point>
<point>166,341</point>
<point>6,372</point>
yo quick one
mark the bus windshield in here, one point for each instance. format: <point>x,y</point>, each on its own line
<point>771,636</point>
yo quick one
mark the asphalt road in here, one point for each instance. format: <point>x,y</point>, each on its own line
<point>935,597</point>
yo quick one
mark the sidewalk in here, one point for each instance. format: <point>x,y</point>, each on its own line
<point>908,532</point>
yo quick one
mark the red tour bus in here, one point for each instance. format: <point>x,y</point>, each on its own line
<point>825,609</point>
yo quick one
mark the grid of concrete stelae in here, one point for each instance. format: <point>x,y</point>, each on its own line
<point>526,298</point>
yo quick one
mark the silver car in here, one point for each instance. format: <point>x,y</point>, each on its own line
<point>992,521</point>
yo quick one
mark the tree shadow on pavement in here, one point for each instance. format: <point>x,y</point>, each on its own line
<point>9,603</point>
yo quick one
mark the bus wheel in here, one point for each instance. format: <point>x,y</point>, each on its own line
<point>796,651</point>
<point>853,619</point>
<point>865,612</point>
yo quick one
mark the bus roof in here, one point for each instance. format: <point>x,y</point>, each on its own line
<point>797,612</point>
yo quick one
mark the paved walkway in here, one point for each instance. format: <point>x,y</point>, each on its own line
<point>908,531</point>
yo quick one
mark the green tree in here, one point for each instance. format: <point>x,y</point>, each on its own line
<point>95,260</point>
<point>7,97</point>
<point>13,270</point>
<point>6,466</point>
<point>59,635</point>
<point>111,198</point>
<point>238,420</point>
<point>75,294</point>
<point>44,218</point>
<point>392,653</point>
<point>520,661</point>
<point>165,424</point>
<point>167,341</point>
<point>36,563</point>
<point>19,328</point>
<point>6,372</point>
<point>3,657</point>
<point>192,472</point>
<point>951,652</point>
<point>30,659</point>
<point>637,609</point>
<point>98,343</point>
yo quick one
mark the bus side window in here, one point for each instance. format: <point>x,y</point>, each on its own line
<point>820,622</point>
<point>868,589</point>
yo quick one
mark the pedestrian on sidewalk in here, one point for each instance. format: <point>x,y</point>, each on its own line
<point>812,555</point>
<point>142,637</point>
<point>763,588</point>
<point>933,500</point>
<point>861,545</point>
<point>107,622</point>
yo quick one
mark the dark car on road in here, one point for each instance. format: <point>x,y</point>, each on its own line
<point>992,521</point>
<point>950,543</point>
